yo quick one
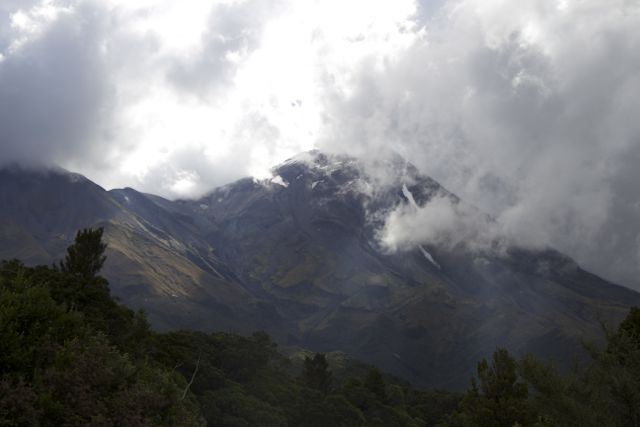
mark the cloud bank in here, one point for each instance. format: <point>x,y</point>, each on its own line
<point>441,222</point>
<point>524,109</point>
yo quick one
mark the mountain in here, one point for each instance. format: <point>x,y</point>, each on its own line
<point>40,212</point>
<point>298,257</point>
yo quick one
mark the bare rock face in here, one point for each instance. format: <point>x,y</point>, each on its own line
<point>297,255</point>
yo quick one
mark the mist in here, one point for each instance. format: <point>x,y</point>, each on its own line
<point>524,110</point>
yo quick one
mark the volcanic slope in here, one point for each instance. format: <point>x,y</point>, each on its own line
<point>298,255</point>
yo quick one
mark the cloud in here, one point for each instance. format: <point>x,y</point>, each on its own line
<point>233,32</point>
<point>7,9</point>
<point>442,222</point>
<point>191,170</point>
<point>106,88</point>
<point>522,109</point>
<point>55,92</point>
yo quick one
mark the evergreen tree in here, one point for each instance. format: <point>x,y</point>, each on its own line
<point>499,400</point>
<point>604,393</point>
<point>375,384</point>
<point>316,373</point>
<point>618,367</point>
<point>71,355</point>
<point>85,256</point>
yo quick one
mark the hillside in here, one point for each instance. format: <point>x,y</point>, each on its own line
<point>297,256</point>
<point>70,355</point>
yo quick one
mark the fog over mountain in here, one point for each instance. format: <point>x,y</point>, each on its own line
<point>526,110</point>
<point>317,257</point>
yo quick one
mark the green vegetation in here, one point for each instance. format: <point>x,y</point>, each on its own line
<point>316,374</point>
<point>70,355</point>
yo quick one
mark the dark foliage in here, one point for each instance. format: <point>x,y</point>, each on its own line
<point>70,355</point>
<point>500,399</point>
<point>316,374</point>
<point>604,393</point>
<point>375,384</point>
<point>85,257</point>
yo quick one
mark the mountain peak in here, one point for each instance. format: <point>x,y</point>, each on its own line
<point>329,162</point>
<point>372,177</point>
<point>297,257</point>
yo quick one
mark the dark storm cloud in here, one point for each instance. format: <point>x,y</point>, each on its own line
<point>55,93</point>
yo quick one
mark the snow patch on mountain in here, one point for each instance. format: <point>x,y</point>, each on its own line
<point>428,256</point>
<point>409,196</point>
<point>279,181</point>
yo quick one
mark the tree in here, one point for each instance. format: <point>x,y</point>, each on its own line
<point>627,339</point>
<point>500,380</point>
<point>375,384</point>
<point>604,393</point>
<point>61,362</point>
<point>615,373</point>
<point>500,400</point>
<point>316,373</point>
<point>85,256</point>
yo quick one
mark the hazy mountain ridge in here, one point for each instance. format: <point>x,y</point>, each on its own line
<point>297,256</point>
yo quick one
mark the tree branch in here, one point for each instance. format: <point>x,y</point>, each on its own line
<point>193,377</point>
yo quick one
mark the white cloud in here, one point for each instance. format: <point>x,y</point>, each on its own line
<point>442,222</point>
<point>525,109</point>
<point>241,83</point>
<point>521,108</point>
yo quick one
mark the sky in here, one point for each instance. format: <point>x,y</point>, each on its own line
<point>527,110</point>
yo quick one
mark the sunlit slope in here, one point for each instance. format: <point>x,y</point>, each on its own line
<point>298,256</point>
<point>169,278</point>
<point>306,242</point>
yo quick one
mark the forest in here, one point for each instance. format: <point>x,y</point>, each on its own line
<point>71,355</point>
